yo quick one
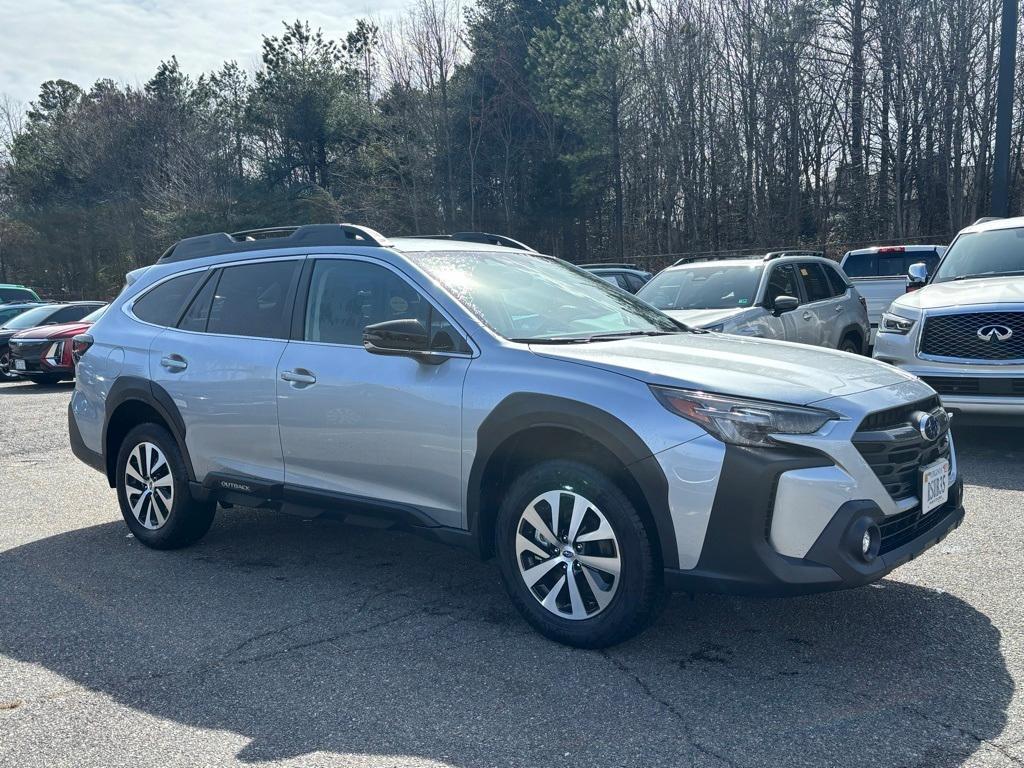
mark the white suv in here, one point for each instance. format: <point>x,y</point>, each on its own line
<point>789,296</point>
<point>963,331</point>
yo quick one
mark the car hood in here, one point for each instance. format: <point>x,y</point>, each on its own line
<point>981,290</point>
<point>698,318</point>
<point>734,365</point>
<point>52,331</point>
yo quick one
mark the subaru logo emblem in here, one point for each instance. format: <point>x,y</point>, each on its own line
<point>997,332</point>
<point>930,425</point>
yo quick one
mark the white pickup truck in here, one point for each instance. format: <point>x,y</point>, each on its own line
<point>963,331</point>
<point>880,273</point>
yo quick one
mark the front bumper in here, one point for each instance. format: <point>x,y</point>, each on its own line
<point>738,556</point>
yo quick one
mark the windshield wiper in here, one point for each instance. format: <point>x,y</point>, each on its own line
<point>992,273</point>
<point>610,336</point>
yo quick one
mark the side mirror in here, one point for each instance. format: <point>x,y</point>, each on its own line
<point>399,337</point>
<point>917,276</point>
<point>783,304</point>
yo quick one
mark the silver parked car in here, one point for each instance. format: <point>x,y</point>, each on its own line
<point>511,403</point>
<point>799,297</point>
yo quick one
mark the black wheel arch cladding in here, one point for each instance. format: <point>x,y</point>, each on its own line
<point>520,412</point>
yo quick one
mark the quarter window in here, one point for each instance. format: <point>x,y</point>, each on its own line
<point>347,296</point>
<point>163,304</point>
<point>198,313</point>
<point>250,300</point>
<point>815,282</point>
<point>836,281</point>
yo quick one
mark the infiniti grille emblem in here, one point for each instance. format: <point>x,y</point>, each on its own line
<point>997,332</point>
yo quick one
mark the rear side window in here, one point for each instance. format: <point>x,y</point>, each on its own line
<point>71,313</point>
<point>163,304</point>
<point>815,282</point>
<point>250,300</point>
<point>861,265</point>
<point>836,281</point>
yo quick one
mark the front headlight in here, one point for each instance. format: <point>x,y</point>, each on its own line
<point>54,353</point>
<point>743,422</point>
<point>895,324</point>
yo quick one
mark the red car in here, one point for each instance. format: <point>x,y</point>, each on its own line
<point>43,354</point>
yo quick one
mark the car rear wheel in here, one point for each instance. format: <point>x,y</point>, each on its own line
<point>576,557</point>
<point>851,345</point>
<point>153,491</point>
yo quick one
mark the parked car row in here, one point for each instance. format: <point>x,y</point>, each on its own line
<point>35,339</point>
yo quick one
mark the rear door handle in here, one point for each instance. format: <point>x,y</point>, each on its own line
<point>299,376</point>
<point>174,362</point>
<point>808,315</point>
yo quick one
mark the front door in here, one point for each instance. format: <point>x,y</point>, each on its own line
<point>369,427</point>
<point>789,326</point>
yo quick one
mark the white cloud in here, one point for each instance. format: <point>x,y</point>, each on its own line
<point>84,40</point>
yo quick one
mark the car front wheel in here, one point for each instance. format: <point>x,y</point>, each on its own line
<point>153,491</point>
<point>575,556</point>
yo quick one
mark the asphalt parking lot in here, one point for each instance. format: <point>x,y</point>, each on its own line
<point>288,642</point>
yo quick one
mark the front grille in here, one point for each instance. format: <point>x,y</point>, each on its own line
<point>971,385</point>
<point>27,350</point>
<point>896,451</point>
<point>957,336</point>
<point>897,530</point>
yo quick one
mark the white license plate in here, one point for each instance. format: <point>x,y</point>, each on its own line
<point>934,485</point>
<point>19,365</point>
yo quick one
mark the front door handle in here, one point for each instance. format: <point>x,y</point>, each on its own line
<point>808,315</point>
<point>839,307</point>
<point>300,376</point>
<point>174,362</point>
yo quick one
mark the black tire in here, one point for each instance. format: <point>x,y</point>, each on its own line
<point>851,345</point>
<point>6,374</point>
<point>46,381</point>
<point>186,520</point>
<point>640,588</point>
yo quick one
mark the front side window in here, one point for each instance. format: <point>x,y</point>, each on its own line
<point>983,254</point>
<point>525,297</point>
<point>815,282</point>
<point>163,304</point>
<point>251,299</point>
<point>705,287</point>
<point>346,296</point>
<point>781,282</point>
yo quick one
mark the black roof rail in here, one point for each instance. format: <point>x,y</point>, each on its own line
<point>218,243</point>
<point>487,238</point>
<point>985,219</point>
<point>713,257</point>
<point>779,254</point>
<point>609,265</point>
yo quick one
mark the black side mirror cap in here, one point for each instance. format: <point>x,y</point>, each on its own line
<point>783,304</point>
<point>400,337</point>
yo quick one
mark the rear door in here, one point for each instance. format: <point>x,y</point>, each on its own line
<point>367,428</point>
<point>219,361</point>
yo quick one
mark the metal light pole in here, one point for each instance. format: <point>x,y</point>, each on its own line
<point>1004,110</point>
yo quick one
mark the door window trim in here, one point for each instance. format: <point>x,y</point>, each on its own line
<point>302,297</point>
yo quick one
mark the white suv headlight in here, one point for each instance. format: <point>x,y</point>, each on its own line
<point>742,422</point>
<point>891,323</point>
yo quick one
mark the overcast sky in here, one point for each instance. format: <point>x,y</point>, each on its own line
<point>84,40</point>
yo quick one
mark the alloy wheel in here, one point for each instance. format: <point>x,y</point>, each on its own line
<point>5,366</point>
<point>149,486</point>
<point>568,555</point>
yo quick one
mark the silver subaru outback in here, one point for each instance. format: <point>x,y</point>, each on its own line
<point>495,398</point>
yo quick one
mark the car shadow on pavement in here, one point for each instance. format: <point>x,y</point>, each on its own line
<point>309,636</point>
<point>31,388</point>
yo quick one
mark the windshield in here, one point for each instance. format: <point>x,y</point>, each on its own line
<point>536,298</point>
<point>720,286</point>
<point>983,254</point>
<point>29,319</point>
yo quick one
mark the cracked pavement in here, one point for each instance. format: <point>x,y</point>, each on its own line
<point>286,642</point>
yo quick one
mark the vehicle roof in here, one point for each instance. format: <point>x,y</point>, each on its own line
<point>17,304</point>
<point>1012,222</point>
<point>753,261</point>
<point>611,268</point>
<point>906,249</point>
<point>425,244</point>
<point>14,285</point>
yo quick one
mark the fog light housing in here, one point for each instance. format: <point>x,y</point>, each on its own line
<point>864,539</point>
